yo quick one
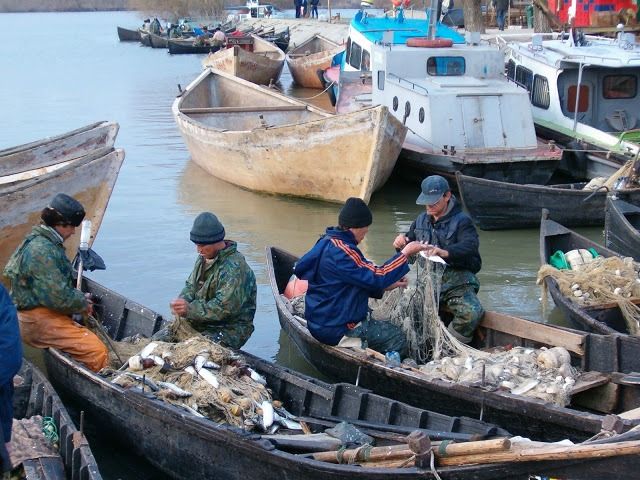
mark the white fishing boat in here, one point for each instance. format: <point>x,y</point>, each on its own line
<point>584,94</point>
<point>451,93</point>
<point>260,140</point>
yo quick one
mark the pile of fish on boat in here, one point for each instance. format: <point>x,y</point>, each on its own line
<point>207,380</point>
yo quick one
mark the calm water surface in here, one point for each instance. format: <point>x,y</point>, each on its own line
<point>62,71</point>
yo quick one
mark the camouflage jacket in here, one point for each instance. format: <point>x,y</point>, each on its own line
<point>222,297</point>
<point>41,274</point>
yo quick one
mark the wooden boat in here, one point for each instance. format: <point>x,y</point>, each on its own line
<point>89,179</point>
<point>261,140</point>
<point>621,224</point>
<point>605,319</point>
<point>185,446</point>
<point>178,46</point>
<point>72,459</point>
<point>495,205</point>
<point>312,55</point>
<point>128,34</point>
<point>145,38</point>
<point>605,357</point>
<point>250,58</point>
<point>158,41</point>
<point>55,150</point>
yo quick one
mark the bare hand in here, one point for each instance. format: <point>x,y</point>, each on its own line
<point>89,308</point>
<point>402,283</point>
<point>179,307</point>
<point>440,252</point>
<point>400,241</point>
<point>412,248</point>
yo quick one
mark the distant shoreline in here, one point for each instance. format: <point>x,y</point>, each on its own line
<point>32,6</point>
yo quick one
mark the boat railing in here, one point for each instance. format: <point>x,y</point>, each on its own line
<point>409,82</point>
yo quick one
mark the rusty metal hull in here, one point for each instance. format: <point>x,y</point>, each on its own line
<point>305,60</point>
<point>89,179</point>
<point>263,141</point>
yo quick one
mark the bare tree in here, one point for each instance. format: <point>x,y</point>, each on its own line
<point>543,18</point>
<point>473,21</point>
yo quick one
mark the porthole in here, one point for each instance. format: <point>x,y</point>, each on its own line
<point>395,104</point>
<point>407,109</point>
<point>421,115</point>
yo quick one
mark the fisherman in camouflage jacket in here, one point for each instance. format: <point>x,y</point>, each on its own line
<point>219,297</point>
<point>43,290</point>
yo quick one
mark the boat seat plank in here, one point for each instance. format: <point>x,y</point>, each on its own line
<point>279,108</point>
<point>633,414</point>
<point>573,342</point>
<point>588,381</point>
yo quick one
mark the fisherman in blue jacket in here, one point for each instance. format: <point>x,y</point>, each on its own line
<point>451,235</point>
<point>10,361</point>
<point>341,281</point>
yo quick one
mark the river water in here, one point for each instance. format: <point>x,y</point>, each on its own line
<point>64,70</point>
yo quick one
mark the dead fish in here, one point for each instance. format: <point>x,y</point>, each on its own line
<point>146,351</point>
<point>142,379</point>
<point>285,422</point>
<point>268,414</point>
<point>525,387</point>
<point>192,411</point>
<point>176,390</point>
<point>206,375</point>
<point>211,365</point>
<point>255,376</point>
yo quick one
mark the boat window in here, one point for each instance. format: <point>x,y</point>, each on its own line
<point>619,86</point>
<point>421,115</point>
<point>380,79</point>
<point>445,66</point>
<point>407,109</point>
<point>540,93</point>
<point>395,104</point>
<point>366,61</point>
<point>524,77</point>
<point>583,101</point>
<point>355,55</point>
<point>511,70</point>
<point>347,51</point>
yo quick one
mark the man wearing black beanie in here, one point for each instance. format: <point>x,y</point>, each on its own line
<point>341,281</point>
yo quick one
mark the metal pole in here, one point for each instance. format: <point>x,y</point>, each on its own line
<point>329,8</point>
<point>575,110</point>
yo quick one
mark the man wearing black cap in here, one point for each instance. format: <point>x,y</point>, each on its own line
<point>451,235</point>
<point>341,281</point>
<point>219,297</point>
<point>42,287</point>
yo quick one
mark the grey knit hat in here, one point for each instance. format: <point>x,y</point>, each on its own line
<point>69,208</point>
<point>355,214</point>
<point>207,229</point>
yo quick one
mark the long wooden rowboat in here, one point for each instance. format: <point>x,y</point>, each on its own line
<point>312,55</point>
<point>495,205</point>
<point>128,34</point>
<point>604,319</point>
<point>54,150</point>
<point>621,224</point>
<point>89,179</point>
<point>145,38</point>
<point>158,41</point>
<point>604,357</point>
<point>258,139</point>
<point>179,46</point>
<point>262,64</point>
<point>185,446</point>
<point>72,458</point>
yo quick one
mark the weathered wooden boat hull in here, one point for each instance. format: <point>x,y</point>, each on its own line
<point>530,165</point>
<point>34,395</point>
<point>266,142</point>
<point>305,60</point>
<point>495,205</point>
<point>60,148</point>
<point>521,415</point>
<point>89,179</point>
<point>158,41</point>
<point>262,66</point>
<point>145,39</point>
<point>128,35</point>
<point>605,319</point>
<point>621,223</point>
<point>184,446</point>
<point>179,47</point>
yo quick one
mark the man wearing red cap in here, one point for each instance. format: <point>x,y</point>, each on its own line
<point>341,281</point>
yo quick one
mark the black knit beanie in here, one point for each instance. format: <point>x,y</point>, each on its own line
<point>69,208</point>
<point>355,214</point>
<point>207,229</point>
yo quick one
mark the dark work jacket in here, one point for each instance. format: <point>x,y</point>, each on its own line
<point>341,280</point>
<point>10,343</point>
<point>454,233</point>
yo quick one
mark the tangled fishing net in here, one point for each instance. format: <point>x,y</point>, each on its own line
<point>196,374</point>
<point>601,281</point>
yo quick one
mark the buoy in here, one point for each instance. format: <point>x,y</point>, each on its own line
<point>429,42</point>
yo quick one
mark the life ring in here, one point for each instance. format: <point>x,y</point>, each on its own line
<point>429,42</point>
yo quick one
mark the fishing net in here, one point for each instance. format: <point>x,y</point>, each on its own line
<point>598,282</point>
<point>197,374</point>
<point>415,310</point>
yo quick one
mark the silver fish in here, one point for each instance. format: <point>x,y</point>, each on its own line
<point>176,390</point>
<point>140,378</point>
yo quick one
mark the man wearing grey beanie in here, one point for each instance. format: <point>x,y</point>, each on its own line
<point>219,297</point>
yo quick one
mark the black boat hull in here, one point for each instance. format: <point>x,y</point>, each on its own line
<point>622,220</point>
